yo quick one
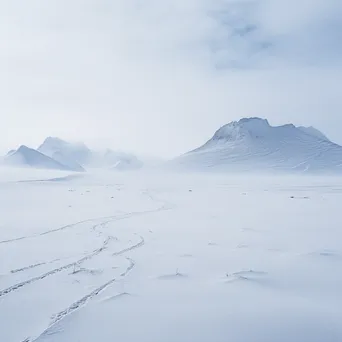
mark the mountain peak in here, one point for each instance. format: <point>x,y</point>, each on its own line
<point>242,128</point>
<point>23,149</point>
<point>51,144</point>
<point>53,139</point>
<point>57,148</point>
<point>253,120</point>
<point>29,157</point>
<point>56,142</point>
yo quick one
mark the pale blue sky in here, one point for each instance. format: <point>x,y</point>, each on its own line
<point>159,77</point>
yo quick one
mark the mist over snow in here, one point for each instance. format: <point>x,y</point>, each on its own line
<point>157,77</point>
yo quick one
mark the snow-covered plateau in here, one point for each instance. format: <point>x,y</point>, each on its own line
<point>169,257</point>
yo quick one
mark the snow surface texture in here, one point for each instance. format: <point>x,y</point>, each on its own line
<point>169,257</point>
<point>251,144</point>
<point>58,154</point>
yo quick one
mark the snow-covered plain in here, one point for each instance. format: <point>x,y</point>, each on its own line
<point>166,257</point>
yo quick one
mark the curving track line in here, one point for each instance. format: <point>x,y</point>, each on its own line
<point>139,244</point>
<point>110,218</point>
<point>83,301</point>
<point>56,270</point>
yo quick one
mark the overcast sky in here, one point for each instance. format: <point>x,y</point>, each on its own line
<point>158,77</point>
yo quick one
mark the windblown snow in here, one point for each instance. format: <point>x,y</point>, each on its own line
<point>252,144</point>
<point>149,257</point>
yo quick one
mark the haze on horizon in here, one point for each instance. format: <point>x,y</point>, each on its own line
<point>159,77</point>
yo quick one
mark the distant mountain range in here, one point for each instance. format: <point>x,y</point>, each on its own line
<point>247,145</point>
<point>252,144</point>
<point>55,153</point>
<point>25,156</point>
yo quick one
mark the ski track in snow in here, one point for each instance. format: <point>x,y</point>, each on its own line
<point>65,267</point>
<point>61,228</point>
<point>139,244</point>
<point>227,244</point>
<point>54,271</point>
<point>31,266</point>
<point>110,218</point>
<point>84,300</point>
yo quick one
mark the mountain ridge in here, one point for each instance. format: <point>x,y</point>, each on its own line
<point>72,156</point>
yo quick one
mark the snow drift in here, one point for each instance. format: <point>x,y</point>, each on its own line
<point>252,144</point>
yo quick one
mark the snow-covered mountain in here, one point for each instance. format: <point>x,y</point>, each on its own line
<point>56,153</point>
<point>252,144</point>
<point>28,157</point>
<point>76,155</point>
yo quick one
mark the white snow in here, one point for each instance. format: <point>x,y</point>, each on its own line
<point>169,257</point>
<point>251,144</point>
